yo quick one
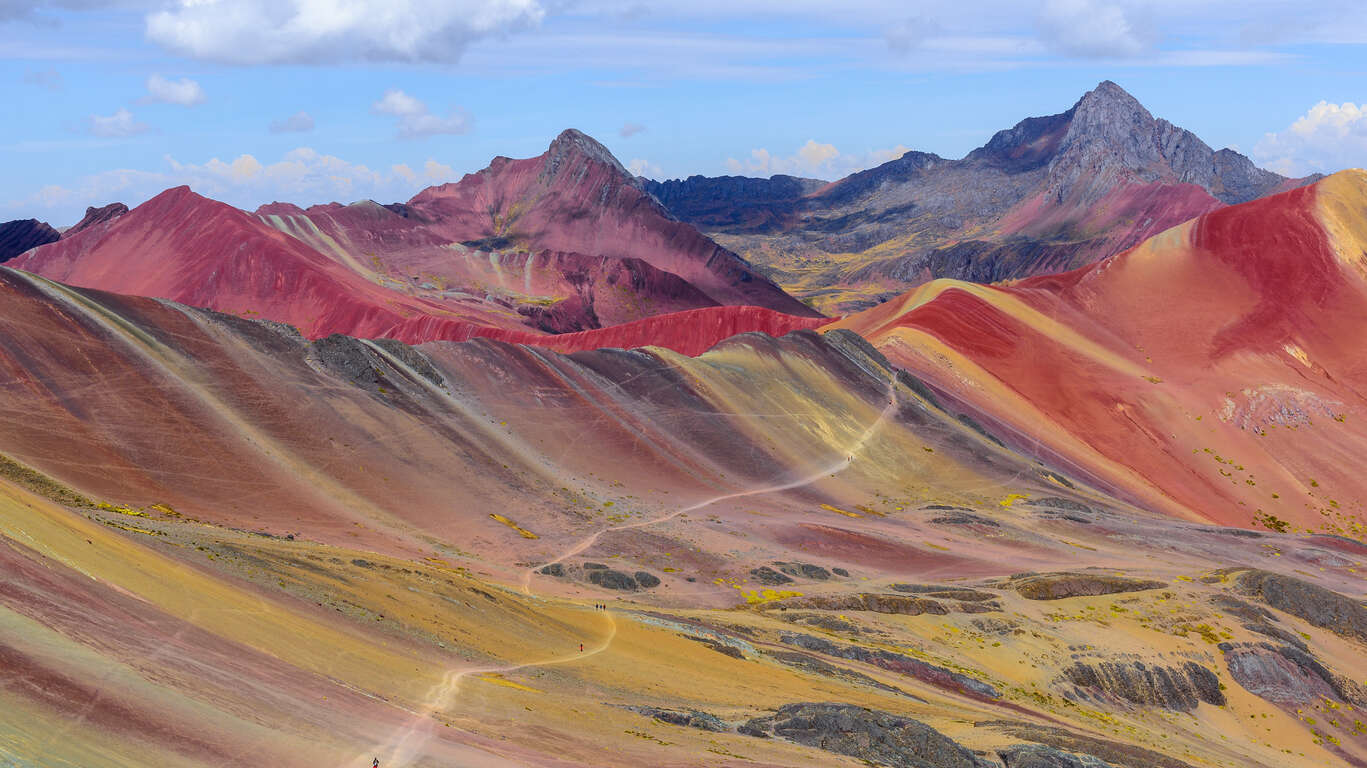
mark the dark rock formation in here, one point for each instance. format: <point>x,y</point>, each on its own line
<point>554,569</point>
<point>878,738</point>
<point>894,662</point>
<point>945,593</point>
<point>95,216</point>
<point>805,571</point>
<point>719,647</point>
<point>1041,756</point>
<point>766,575</point>
<point>1057,586</point>
<point>1317,605</point>
<point>22,234</point>
<point>1114,752</point>
<point>688,718</point>
<point>808,663</point>
<point>1180,688</point>
<point>646,579</point>
<point>608,578</point>
<point>864,601</point>
<point>964,518</point>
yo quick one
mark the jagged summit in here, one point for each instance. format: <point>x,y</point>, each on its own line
<point>573,142</point>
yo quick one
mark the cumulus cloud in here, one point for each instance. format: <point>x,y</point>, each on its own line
<point>1090,28</point>
<point>811,159</point>
<point>47,79</point>
<point>185,92</point>
<point>325,31</point>
<point>118,125</point>
<point>639,167</point>
<point>415,120</point>
<point>304,176</point>
<point>630,129</point>
<point>1328,138</point>
<point>299,122</point>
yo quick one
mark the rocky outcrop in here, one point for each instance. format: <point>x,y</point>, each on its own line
<point>818,666</point>
<point>1041,756</point>
<point>1288,676</point>
<point>22,234</point>
<point>1116,753</point>
<point>766,575</point>
<point>1317,605</point>
<point>941,592</point>
<point>1179,688</point>
<point>878,738</point>
<point>805,571</point>
<point>864,601</point>
<point>1057,586</point>
<point>688,718</point>
<point>94,216</point>
<point>894,662</point>
<point>607,578</point>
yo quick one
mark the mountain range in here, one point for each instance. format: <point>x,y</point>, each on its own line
<point>1048,457</point>
<point>1049,194</point>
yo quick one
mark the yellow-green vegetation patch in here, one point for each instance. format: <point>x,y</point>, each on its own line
<point>523,532</point>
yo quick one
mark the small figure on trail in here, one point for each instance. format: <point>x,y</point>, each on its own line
<point>375,763</point>
<point>581,647</point>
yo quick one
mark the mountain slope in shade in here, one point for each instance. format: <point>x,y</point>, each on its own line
<point>22,234</point>
<point>1213,371</point>
<point>1050,194</point>
<point>577,198</point>
<point>196,251</point>
<point>224,545</point>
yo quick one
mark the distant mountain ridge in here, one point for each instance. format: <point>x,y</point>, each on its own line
<point>1047,194</point>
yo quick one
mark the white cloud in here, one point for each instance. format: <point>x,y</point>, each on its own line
<point>303,176</point>
<point>318,31</point>
<point>812,159</point>
<point>1328,138</point>
<point>630,129</point>
<point>118,125</point>
<point>435,171</point>
<point>185,92</point>
<point>639,167</point>
<point>1090,28</point>
<point>415,120</point>
<point>299,122</point>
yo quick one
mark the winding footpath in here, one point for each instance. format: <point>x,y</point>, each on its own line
<point>409,741</point>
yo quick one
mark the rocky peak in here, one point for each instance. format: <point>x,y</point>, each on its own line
<point>571,144</point>
<point>95,216</point>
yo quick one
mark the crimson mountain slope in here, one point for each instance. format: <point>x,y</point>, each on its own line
<point>405,272</point>
<point>1051,193</point>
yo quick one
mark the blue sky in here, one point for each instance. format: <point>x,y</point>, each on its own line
<point>310,101</point>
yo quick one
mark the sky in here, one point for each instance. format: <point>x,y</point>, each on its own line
<point>312,101</point>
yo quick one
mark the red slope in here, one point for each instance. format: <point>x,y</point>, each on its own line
<point>556,291</point>
<point>196,251</point>
<point>577,198</point>
<point>1215,371</point>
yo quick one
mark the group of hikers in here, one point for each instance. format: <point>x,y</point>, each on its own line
<point>600,606</point>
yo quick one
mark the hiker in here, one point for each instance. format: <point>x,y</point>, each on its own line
<point>375,763</point>
<point>581,647</point>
